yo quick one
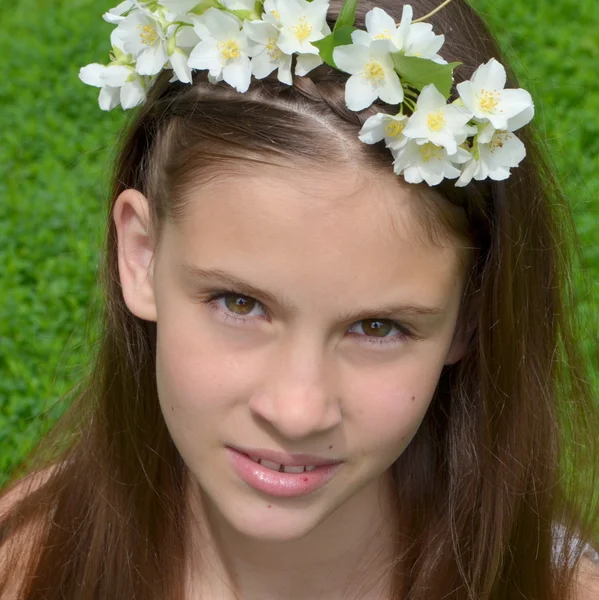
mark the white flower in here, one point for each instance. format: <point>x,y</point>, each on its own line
<point>438,122</point>
<point>115,15</point>
<point>413,39</point>
<point>268,56</point>
<point>487,99</point>
<point>428,162</point>
<point>179,44</point>
<point>301,22</point>
<point>271,14</point>
<point>495,158</point>
<point>141,35</point>
<point>385,127</point>
<point>120,85</point>
<point>372,74</point>
<point>418,39</point>
<point>379,26</point>
<point>224,50</point>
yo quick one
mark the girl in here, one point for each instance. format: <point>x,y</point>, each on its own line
<point>322,375</point>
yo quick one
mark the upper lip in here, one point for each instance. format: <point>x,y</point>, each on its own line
<point>285,459</point>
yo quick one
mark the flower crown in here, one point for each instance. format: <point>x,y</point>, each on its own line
<point>430,139</point>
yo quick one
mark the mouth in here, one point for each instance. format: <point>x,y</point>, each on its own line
<point>279,480</point>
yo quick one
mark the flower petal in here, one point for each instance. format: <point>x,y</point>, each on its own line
<point>263,65</point>
<point>238,73</point>
<point>152,60</point>
<point>373,130</point>
<point>391,91</point>
<point>361,37</point>
<point>521,119</point>
<point>132,94</point>
<point>380,24</point>
<point>306,62</point>
<point>359,93</point>
<point>260,31</point>
<point>430,98</point>
<point>205,56</point>
<point>92,74</point>
<point>218,23</point>
<point>116,75</point>
<point>284,72</point>
<point>351,58</point>
<point>109,98</point>
<point>179,64</point>
<point>490,76</point>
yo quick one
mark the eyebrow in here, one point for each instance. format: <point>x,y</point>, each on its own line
<point>196,274</point>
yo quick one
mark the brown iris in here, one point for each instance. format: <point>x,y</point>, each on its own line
<point>241,305</point>
<point>376,327</point>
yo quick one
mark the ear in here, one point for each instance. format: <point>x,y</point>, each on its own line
<point>131,216</point>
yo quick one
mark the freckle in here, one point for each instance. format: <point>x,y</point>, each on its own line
<point>413,398</point>
<point>330,447</point>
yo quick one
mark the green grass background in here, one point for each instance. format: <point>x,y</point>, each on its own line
<point>56,144</point>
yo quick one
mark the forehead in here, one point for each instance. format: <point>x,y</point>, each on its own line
<point>334,228</point>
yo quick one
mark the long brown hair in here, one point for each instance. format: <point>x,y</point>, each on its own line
<point>505,452</point>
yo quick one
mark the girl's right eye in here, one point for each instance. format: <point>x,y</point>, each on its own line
<point>233,306</point>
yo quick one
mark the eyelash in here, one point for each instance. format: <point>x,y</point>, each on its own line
<point>404,332</point>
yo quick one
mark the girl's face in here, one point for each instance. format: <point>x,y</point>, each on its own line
<point>304,313</point>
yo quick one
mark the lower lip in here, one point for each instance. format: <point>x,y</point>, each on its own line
<point>282,485</point>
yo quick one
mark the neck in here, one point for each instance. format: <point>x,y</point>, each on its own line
<point>347,555</point>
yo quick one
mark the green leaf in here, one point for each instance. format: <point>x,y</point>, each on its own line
<point>347,15</point>
<point>420,72</point>
<point>204,5</point>
<point>339,37</point>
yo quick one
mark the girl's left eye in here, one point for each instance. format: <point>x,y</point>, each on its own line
<point>233,306</point>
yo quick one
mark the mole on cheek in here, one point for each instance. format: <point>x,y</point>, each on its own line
<point>413,398</point>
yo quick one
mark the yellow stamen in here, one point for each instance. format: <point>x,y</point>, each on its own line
<point>303,29</point>
<point>394,128</point>
<point>436,120</point>
<point>275,14</point>
<point>148,34</point>
<point>430,151</point>
<point>386,35</point>
<point>273,50</point>
<point>489,100</point>
<point>374,72</point>
<point>229,49</point>
<point>499,138</point>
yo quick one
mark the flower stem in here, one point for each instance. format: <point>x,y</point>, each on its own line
<point>430,14</point>
<point>410,104</point>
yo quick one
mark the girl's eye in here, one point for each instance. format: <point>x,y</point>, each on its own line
<point>376,331</point>
<point>233,305</point>
<point>238,307</point>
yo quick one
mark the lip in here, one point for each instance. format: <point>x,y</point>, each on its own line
<point>275,483</point>
<point>287,460</point>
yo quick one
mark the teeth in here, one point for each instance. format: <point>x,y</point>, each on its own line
<point>298,469</point>
<point>280,468</point>
<point>270,465</point>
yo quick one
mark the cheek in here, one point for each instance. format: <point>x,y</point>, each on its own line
<point>388,405</point>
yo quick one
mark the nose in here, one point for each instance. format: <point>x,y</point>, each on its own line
<point>297,396</point>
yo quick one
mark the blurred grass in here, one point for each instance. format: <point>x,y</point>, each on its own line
<point>55,148</point>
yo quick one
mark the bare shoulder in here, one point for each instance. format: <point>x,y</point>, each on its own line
<point>587,584</point>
